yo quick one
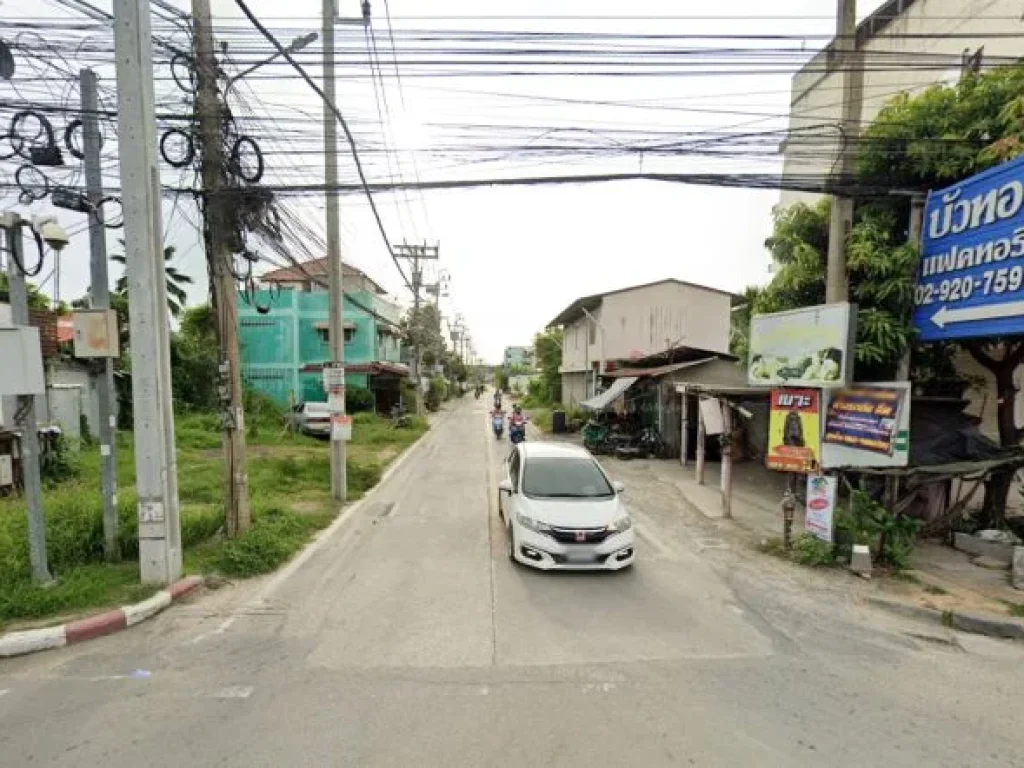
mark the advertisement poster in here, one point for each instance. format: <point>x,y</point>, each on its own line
<point>807,347</point>
<point>794,443</point>
<point>821,504</point>
<point>866,425</point>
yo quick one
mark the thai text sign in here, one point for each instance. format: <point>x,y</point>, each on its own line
<point>970,282</point>
<point>867,425</point>
<point>794,444</point>
<point>864,417</point>
<point>804,348</point>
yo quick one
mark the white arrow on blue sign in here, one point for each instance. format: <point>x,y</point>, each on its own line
<point>970,283</point>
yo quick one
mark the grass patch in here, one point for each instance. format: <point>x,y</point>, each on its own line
<point>289,482</point>
<point>541,418</point>
<point>1014,609</point>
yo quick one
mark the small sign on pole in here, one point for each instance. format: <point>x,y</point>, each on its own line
<point>821,504</point>
<point>341,426</point>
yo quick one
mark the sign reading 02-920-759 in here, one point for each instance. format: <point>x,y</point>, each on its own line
<point>970,283</point>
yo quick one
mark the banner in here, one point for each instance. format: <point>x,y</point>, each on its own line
<point>807,347</point>
<point>821,504</point>
<point>794,443</point>
<point>865,418</point>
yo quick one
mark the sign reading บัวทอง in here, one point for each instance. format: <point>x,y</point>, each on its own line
<point>807,347</point>
<point>970,282</point>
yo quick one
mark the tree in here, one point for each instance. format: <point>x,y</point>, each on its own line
<point>195,356</point>
<point>36,299</point>
<point>421,331</point>
<point>176,280</point>
<point>547,356</point>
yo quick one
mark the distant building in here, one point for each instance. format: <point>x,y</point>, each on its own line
<point>284,335</point>
<point>516,357</point>
<point>667,321</point>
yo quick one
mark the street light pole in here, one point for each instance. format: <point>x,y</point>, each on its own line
<point>296,45</point>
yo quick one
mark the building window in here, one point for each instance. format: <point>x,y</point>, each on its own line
<point>325,335</point>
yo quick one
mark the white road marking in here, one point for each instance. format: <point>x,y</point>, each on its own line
<point>234,692</point>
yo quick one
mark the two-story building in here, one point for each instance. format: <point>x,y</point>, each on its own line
<point>285,342</point>
<point>673,318</point>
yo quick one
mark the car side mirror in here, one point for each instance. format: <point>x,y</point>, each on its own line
<point>505,486</point>
<point>619,486</point>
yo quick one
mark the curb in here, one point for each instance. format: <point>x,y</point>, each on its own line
<point>1007,629</point>
<point>106,623</point>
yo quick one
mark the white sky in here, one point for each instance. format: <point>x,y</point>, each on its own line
<point>517,256</point>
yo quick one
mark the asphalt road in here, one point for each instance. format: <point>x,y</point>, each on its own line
<point>405,637</point>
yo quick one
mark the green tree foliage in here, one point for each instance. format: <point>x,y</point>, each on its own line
<point>195,355</point>
<point>176,281</point>
<point>36,299</point>
<point>421,330</point>
<point>547,356</point>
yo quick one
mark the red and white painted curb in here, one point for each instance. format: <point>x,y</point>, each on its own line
<point>32,640</point>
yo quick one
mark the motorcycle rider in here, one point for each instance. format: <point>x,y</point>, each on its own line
<point>497,399</point>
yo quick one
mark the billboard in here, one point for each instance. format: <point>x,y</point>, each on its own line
<point>867,425</point>
<point>807,347</point>
<point>794,421</point>
<point>970,282</point>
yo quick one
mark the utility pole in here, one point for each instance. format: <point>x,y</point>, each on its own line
<point>25,416</point>
<point>416,254</point>
<point>848,60</point>
<point>103,370</point>
<point>156,467</point>
<point>336,327</point>
<point>209,113</point>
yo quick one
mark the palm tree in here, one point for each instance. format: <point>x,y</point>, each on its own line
<point>176,294</point>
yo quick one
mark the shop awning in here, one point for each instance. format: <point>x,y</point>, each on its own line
<point>610,395</point>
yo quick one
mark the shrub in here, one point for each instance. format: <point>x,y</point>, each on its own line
<point>436,393</point>
<point>274,537</point>
<point>358,399</point>
<point>890,536</point>
<point>810,550</point>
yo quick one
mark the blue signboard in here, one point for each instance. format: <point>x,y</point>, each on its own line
<point>970,283</point>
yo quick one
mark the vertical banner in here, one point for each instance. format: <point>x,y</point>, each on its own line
<point>821,505</point>
<point>794,430</point>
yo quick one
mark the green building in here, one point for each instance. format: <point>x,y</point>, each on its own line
<point>283,331</point>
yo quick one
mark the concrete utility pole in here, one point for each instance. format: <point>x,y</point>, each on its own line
<point>209,112</point>
<point>848,60</point>
<point>25,417</point>
<point>103,371</point>
<point>156,469</point>
<point>416,254</point>
<point>336,332</point>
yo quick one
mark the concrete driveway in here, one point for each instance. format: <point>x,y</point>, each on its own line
<point>405,637</point>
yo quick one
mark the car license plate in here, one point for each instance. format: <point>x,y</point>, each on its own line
<point>586,556</point>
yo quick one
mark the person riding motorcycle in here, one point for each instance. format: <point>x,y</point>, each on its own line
<point>497,400</point>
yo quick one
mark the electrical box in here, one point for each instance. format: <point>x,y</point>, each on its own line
<point>96,333</point>
<point>22,360</point>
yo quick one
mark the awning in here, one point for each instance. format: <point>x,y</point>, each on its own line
<point>610,395</point>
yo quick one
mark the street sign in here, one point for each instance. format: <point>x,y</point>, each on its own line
<point>970,282</point>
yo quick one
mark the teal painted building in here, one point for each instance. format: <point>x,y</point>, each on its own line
<point>283,331</point>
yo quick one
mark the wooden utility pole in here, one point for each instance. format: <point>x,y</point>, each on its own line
<point>848,60</point>
<point>216,225</point>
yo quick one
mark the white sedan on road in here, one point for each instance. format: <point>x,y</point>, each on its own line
<point>562,512</point>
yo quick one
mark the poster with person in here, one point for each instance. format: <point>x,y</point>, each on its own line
<point>794,430</point>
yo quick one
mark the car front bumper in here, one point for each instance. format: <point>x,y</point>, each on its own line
<point>539,550</point>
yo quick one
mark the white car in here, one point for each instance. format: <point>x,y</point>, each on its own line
<point>561,511</point>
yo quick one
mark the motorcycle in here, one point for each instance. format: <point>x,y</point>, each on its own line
<point>498,424</point>
<point>517,433</point>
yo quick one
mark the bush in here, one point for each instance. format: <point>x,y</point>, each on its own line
<point>810,550</point>
<point>436,394</point>
<point>261,412</point>
<point>358,399</point>
<point>891,536</point>
<point>274,537</point>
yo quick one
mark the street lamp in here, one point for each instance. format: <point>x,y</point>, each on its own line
<point>295,45</point>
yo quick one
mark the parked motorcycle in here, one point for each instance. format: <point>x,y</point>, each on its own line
<point>645,444</point>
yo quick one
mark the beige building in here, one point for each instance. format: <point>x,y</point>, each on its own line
<point>907,46</point>
<point>935,41</point>
<point>637,323</point>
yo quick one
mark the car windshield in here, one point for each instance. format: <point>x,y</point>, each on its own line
<point>565,478</point>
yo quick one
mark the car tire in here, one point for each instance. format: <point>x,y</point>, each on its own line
<point>510,549</point>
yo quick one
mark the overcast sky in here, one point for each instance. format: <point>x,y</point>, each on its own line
<point>517,256</point>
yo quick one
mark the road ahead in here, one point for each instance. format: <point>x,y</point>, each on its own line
<point>405,637</point>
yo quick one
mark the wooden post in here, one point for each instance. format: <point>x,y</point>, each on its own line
<point>700,445</point>
<point>684,446</point>
<point>726,458</point>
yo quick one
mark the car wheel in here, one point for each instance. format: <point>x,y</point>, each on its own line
<point>511,546</point>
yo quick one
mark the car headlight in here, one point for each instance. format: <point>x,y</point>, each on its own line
<point>533,525</point>
<point>620,525</point>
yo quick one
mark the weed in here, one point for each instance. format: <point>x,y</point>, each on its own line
<point>812,551</point>
<point>1014,609</point>
<point>276,534</point>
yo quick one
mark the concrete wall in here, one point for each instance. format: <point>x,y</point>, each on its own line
<point>574,345</point>
<point>573,388</point>
<point>816,97</point>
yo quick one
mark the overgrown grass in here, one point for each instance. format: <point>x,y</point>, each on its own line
<point>289,482</point>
